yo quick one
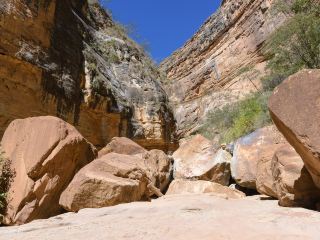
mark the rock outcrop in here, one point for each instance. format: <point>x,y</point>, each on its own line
<point>198,158</point>
<point>179,217</point>
<point>107,181</point>
<point>295,109</point>
<point>198,187</point>
<point>46,153</point>
<point>221,63</point>
<point>87,72</point>
<point>249,150</point>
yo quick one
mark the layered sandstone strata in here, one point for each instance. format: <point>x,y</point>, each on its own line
<point>222,62</point>
<point>69,59</point>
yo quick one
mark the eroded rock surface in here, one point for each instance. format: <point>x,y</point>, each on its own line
<point>249,150</point>
<point>107,181</point>
<point>46,153</point>
<point>156,164</point>
<point>122,145</point>
<point>178,217</point>
<point>69,59</point>
<point>197,187</point>
<point>221,63</point>
<point>292,182</point>
<point>295,109</point>
<point>198,158</point>
<point>116,178</point>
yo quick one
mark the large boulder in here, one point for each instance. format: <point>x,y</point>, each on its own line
<point>199,159</point>
<point>46,153</point>
<point>264,180</point>
<point>292,182</point>
<point>250,150</point>
<point>107,181</point>
<point>295,109</point>
<point>122,145</point>
<point>156,164</point>
<point>158,167</point>
<point>181,186</point>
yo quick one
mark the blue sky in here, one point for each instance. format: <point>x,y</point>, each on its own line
<point>164,24</point>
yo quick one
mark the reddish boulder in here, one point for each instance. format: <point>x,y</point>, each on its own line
<point>199,159</point>
<point>46,153</point>
<point>122,145</point>
<point>181,186</point>
<point>295,109</point>
<point>292,182</point>
<point>250,150</point>
<point>156,164</point>
<point>158,167</point>
<point>110,180</point>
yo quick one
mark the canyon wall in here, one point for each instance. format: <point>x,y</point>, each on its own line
<point>221,63</point>
<point>70,59</point>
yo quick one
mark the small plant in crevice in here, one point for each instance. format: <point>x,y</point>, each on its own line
<point>6,177</point>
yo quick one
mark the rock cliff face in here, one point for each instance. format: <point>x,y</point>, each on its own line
<point>222,62</point>
<point>69,59</point>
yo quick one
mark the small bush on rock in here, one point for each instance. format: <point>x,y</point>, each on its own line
<point>6,177</point>
<point>237,119</point>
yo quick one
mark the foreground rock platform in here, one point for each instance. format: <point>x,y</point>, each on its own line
<point>177,217</point>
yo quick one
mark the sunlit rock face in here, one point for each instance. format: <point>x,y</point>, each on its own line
<point>222,62</point>
<point>69,59</point>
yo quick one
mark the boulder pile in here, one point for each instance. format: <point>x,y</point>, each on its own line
<point>57,170</point>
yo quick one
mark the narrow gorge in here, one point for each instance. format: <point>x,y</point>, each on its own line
<point>220,140</point>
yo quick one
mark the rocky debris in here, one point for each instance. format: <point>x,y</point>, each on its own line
<point>179,217</point>
<point>221,63</point>
<point>199,159</point>
<point>107,181</point>
<point>250,150</point>
<point>197,187</point>
<point>46,153</point>
<point>292,182</point>
<point>122,145</point>
<point>294,108</point>
<point>87,72</point>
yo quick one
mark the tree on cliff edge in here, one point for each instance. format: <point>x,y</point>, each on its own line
<point>295,45</point>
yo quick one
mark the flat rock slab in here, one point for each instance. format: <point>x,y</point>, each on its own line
<point>177,217</point>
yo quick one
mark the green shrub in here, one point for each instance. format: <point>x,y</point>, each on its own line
<point>295,45</point>
<point>6,176</point>
<point>237,119</point>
